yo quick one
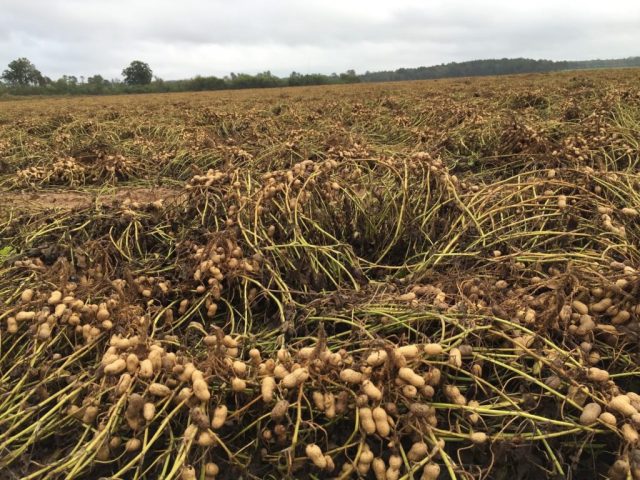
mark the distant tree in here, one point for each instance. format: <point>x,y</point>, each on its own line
<point>349,77</point>
<point>70,80</point>
<point>137,73</point>
<point>65,84</point>
<point>22,72</point>
<point>296,79</point>
<point>200,83</point>
<point>259,80</point>
<point>97,83</point>
<point>96,80</point>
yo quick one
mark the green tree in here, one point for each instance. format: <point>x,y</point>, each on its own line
<point>22,72</point>
<point>96,80</point>
<point>70,80</point>
<point>137,73</point>
<point>349,77</point>
<point>97,83</point>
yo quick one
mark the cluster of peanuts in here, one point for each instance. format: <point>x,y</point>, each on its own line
<point>581,148</point>
<point>519,137</point>
<point>295,182</point>
<point>213,264</point>
<point>392,373</point>
<point>220,260</point>
<point>147,286</point>
<point>438,168</point>
<point>5,146</point>
<point>234,152</point>
<point>622,412</point>
<point>385,380</point>
<point>63,171</point>
<point>44,312</point>
<point>608,221</point>
<point>212,178</point>
<point>431,293</point>
<point>113,167</point>
<point>354,151</point>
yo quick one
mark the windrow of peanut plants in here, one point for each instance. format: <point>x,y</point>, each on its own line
<point>432,280</point>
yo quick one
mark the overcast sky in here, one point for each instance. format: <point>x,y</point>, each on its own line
<point>182,38</point>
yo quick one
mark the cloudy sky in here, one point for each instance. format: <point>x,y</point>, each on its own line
<point>182,38</point>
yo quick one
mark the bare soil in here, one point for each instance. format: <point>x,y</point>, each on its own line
<point>69,199</point>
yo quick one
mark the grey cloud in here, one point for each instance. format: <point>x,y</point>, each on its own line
<point>181,39</point>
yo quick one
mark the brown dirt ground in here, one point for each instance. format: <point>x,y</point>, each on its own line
<point>68,200</point>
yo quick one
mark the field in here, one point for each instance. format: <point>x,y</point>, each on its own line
<point>419,280</point>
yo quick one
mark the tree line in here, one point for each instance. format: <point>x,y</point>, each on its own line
<point>23,78</point>
<point>503,66</point>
